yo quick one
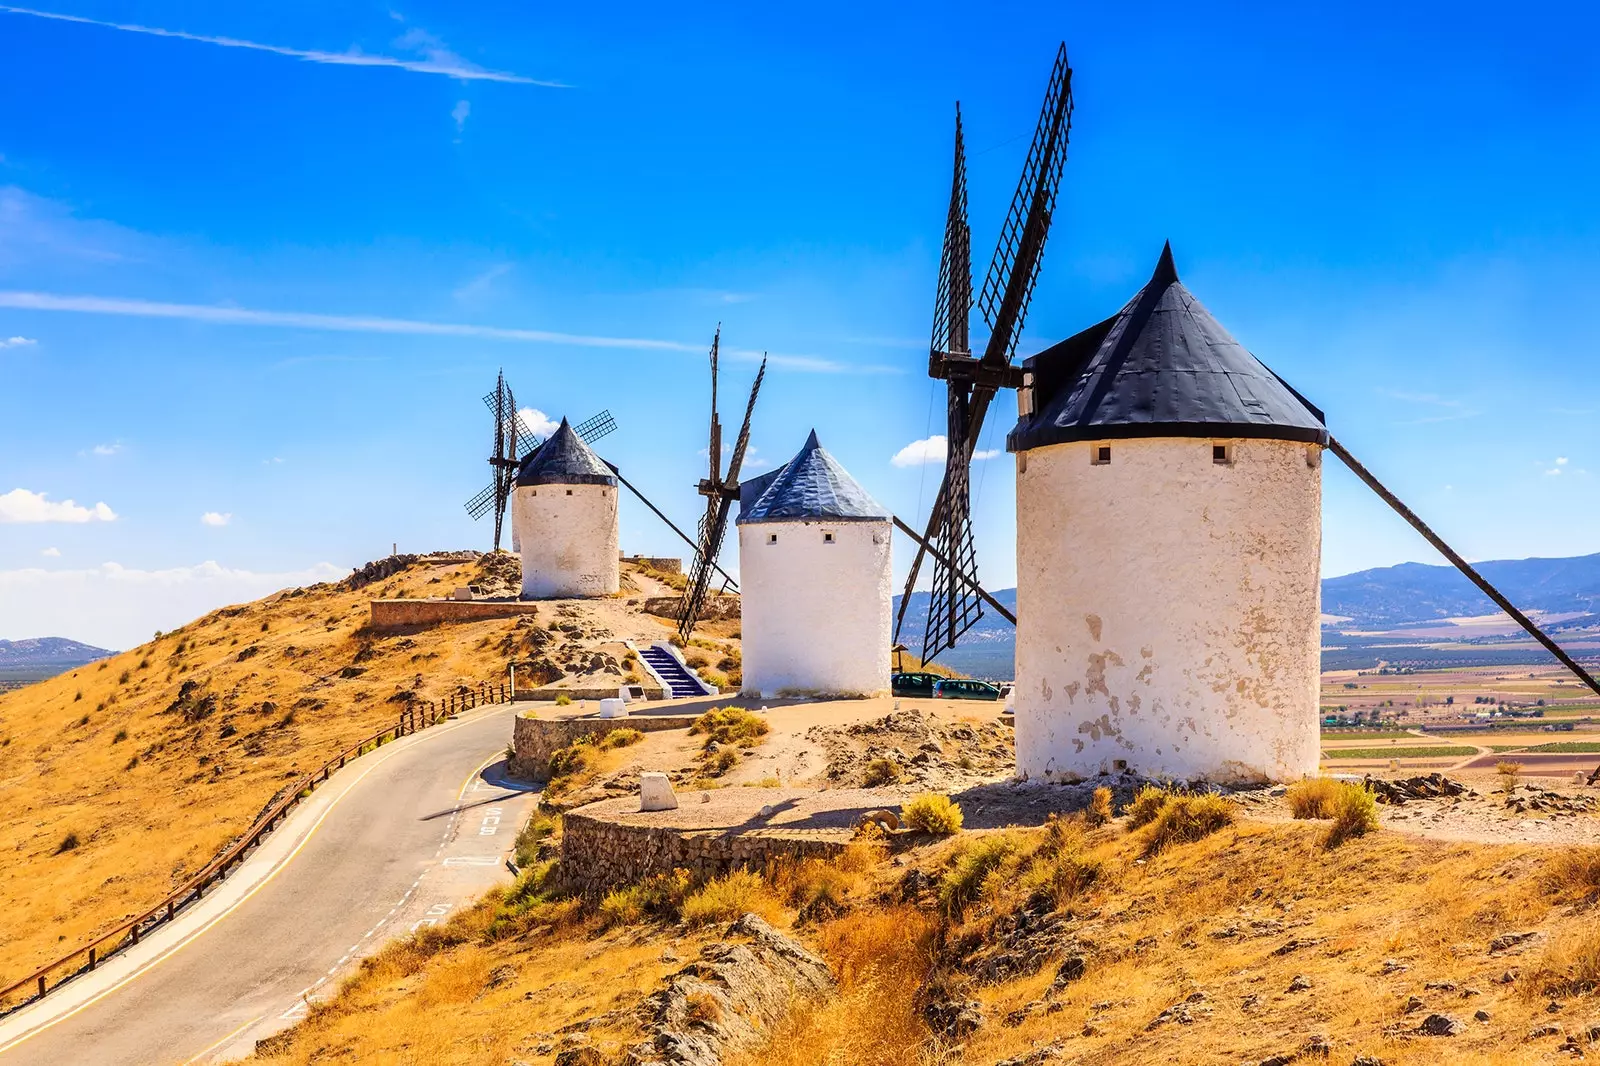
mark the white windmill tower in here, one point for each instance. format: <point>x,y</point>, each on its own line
<point>564,514</point>
<point>814,580</point>
<point>1169,542</point>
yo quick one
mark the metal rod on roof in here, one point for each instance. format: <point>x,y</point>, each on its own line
<point>1461,564</point>
<point>960,574</point>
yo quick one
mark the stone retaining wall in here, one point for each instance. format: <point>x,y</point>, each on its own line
<point>534,740</point>
<point>599,855</point>
<point>716,609</point>
<point>401,614</point>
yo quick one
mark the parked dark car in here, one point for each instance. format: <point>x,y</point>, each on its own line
<point>913,684</point>
<point>950,688</point>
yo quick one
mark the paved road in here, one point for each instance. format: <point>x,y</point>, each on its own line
<point>397,840</point>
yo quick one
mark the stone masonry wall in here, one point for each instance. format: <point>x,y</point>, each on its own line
<point>396,614</point>
<point>597,855</point>
<point>534,740</point>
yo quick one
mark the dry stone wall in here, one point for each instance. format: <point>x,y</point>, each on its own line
<point>599,855</point>
<point>534,740</point>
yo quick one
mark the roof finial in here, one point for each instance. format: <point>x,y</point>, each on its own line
<point>1166,271</point>
<point>812,442</point>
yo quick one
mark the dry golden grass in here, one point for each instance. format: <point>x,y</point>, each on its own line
<point>1354,813</point>
<point>1099,812</point>
<point>932,813</point>
<point>1313,797</point>
<point>1184,819</point>
<point>152,786</point>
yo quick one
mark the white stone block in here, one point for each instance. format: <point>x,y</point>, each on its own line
<point>655,792</point>
<point>613,708</point>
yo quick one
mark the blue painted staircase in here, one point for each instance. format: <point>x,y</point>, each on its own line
<point>680,681</point>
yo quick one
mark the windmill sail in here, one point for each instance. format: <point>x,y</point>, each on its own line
<point>972,383</point>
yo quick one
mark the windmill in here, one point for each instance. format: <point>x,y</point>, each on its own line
<point>972,381</point>
<point>513,443</point>
<point>720,490</point>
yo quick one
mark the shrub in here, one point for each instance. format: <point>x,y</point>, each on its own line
<point>540,826</point>
<point>1314,797</point>
<point>121,735</point>
<point>573,759</point>
<point>563,700</point>
<point>696,659</point>
<point>1099,812</point>
<point>720,763</point>
<point>715,678</point>
<point>132,763</point>
<point>725,898</point>
<point>701,1007</point>
<point>880,771</point>
<point>658,896</point>
<point>932,813</point>
<point>1510,773</point>
<point>1570,966</point>
<point>1185,819</point>
<point>68,843</point>
<point>730,725</point>
<point>964,881</point>
<point>1354,814</point>
<point>620,738</point>
<point>1146,805</point>
<point>123,679</point>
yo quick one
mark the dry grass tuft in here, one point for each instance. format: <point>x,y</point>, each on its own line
<point>620,738</point>
<point>1099,812</point>
<point>1314,797</point>
<point>730,725</point>
<point>932,813</point>
<point>659,896</point>
<point>1510,773</point>
<point>880,771</point>
<point>725,898</point>
<point>1574,874</point>
<point>1354,814</point>
<point>1570,966</point>
<point>1146,805</point>
<point>1185,819</point>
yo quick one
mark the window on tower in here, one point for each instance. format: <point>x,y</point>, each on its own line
<point>1222,454</point>
<point>1100,455</point>
<point>827,538</point>
<point>772,538</point>
<point>569,492</point>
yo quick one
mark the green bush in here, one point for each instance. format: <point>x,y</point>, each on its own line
<point>963,881</point>
<point>932,813</point>
<point>658,896</point>
<point>539,827</point>
<point>563,700</point>
<point>573,759</point>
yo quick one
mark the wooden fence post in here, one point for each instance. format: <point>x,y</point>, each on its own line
<point>91,958</point>
<point>41,984</point>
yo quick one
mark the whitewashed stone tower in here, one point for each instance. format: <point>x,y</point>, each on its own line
<point>813,581</point>
<point>564,520</point>
<point>1169,539</point>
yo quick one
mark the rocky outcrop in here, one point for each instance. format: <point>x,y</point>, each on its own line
<point>730,999</point>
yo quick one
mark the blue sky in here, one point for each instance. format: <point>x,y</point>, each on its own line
<point>261,265</point>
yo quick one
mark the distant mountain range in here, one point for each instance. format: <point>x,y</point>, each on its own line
<point>1413,592</point>
<point>41,657</point>
<point>1386,597</point>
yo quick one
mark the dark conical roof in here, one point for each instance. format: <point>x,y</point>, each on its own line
<point>564,459</point>
<point>811,485</point>
<point>1160,367</point>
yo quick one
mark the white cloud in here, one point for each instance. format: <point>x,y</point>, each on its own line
<point>460,112</point>
<point>16,342</point>
<point>536,421</point>
<point>274,461</point>
<point>118,607</point>
<point>107,449</point>
<point>216,518</point>
<point>20,505</point>
<point>929,450</point>
<point>476,288</point>
<point>933,450</point>
<point>51,553</point>
<point>436,59</point>
<point>244,316</point>
<point>1561,460</point>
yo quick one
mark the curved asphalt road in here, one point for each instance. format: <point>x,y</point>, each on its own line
<point>397,840</point>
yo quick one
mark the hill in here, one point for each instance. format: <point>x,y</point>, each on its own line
<point>1414,592</point>
<point>24,661</point>
<point>123,777</point>
<point>1383,597</point>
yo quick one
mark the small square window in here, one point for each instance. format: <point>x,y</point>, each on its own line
<point>827,538</point>
<point>772,538</point>
<point>569,492</point>
<point>1222,454</point>
<point>1101,455</point>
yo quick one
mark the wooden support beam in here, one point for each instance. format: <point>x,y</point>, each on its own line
<point>960,575</point>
